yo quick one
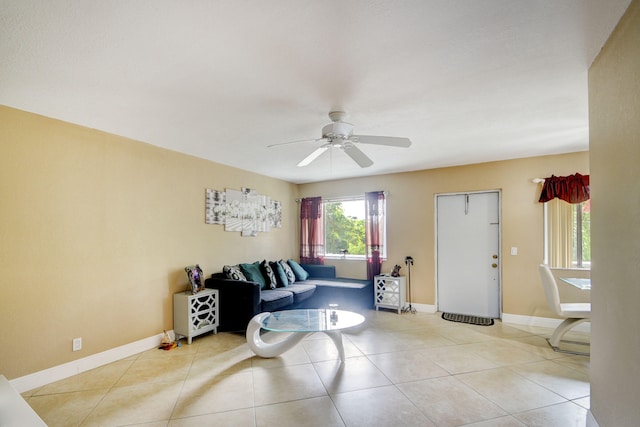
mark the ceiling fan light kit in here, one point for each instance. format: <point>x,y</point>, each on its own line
<point>339,134</point>
<point>337,130</point>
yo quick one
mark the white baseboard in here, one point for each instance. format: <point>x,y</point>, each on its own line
<point>544,322</point>
<point>56,373</point>
<point>423,308</point>
<point>591,422</point>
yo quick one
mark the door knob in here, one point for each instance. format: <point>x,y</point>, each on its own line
<point>494,265</point>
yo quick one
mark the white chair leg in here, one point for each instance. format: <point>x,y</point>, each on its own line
<point>562,329</point>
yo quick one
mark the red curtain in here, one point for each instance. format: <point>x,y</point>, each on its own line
<point>571,189</point>
<point>311,231</point>
<point>374,231</point>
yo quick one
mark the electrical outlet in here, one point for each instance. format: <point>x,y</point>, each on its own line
<point>514,250</point>
<point>77,344</point>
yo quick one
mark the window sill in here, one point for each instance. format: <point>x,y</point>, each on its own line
<point>349,257</point>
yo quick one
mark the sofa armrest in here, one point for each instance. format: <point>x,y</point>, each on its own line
<point>320,271</point>
<point>239,302</point>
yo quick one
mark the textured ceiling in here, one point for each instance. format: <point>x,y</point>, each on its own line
<point>467,81</point>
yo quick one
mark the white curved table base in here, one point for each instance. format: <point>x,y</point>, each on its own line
<point>273,349</point>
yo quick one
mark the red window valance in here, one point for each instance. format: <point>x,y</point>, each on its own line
<point>571,189</point>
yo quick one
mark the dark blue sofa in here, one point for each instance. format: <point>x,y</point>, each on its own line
<point>241,300</point>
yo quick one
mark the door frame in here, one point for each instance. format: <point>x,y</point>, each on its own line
<point>435,241</point>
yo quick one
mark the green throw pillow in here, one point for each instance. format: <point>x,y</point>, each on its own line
<point>253,274</point>
<point>300,273</point>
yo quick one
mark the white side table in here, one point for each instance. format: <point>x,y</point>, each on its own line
<point>390,292</point>
<point>195,314</point>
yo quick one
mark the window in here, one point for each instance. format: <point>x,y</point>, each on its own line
<point>344,227</point>
<point>567,234</point>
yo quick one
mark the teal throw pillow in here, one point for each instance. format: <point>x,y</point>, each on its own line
<point>281,276</point>
<point>300,273</point>
<point>253,274</point>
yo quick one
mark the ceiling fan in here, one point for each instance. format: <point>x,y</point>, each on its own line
<point>339,134</point>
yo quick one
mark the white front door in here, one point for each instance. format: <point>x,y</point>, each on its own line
<point>468,254</point>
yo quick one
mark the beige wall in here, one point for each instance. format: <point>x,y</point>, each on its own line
<point>95,232</point>
<point>614,116</point>
<point>410,221</point>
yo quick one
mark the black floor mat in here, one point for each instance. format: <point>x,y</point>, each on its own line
<point>474,320</point>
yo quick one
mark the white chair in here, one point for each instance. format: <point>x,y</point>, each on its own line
<point>574,313</point>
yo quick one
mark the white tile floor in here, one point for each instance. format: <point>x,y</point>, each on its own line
<point>401,370</point>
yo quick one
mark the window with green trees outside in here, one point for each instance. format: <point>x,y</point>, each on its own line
<point>344,227</point>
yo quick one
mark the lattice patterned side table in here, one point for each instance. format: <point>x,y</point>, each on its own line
<point>197,314</point>
<point>390,292</point>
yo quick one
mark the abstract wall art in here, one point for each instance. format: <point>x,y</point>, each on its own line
<point>245,211</point>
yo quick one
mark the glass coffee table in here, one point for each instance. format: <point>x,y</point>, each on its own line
<point>301,323</point>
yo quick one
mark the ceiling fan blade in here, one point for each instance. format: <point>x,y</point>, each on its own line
<point>294,142</point>
<point>382,140</point>
<point>358,156</point>
<point>311,157</point>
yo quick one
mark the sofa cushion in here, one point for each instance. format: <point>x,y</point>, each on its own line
<point>298,271</point>
<point>339,283</point>
<point>281,276</point>
<point>253,274</point>
<point>269,275</point>
<point>301,291</point>
<point>288,271</point>
<point>234,272</point>
<point>275,299</point>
